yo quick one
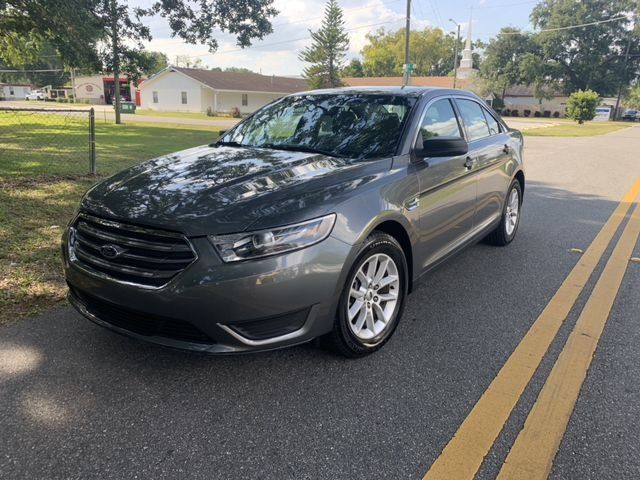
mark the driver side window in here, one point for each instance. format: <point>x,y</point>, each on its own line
<point>440,121</point>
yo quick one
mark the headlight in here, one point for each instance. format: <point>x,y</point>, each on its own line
<point>247,245</point>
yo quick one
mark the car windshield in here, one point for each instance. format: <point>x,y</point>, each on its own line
<point>358,126</point>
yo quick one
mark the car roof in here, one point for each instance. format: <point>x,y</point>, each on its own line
<point>408,91</point>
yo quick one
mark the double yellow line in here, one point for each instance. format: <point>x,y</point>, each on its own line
<point>533,452</point>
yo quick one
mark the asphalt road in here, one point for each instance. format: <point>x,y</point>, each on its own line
<point>77,401</point>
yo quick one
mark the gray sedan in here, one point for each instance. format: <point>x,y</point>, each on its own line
<point>314,217</point>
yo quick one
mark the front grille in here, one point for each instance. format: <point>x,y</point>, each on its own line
<point>128,253</point>
<point>139,322</point>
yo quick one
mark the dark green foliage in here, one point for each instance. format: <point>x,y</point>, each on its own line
<point>581,105</point>
<point>80,30</point>
<point>327,51</point>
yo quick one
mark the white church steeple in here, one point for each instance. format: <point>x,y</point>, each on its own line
<point>466,69</point>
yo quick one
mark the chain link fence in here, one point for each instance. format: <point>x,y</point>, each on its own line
<point>55,141</point>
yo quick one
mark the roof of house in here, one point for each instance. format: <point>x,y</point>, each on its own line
<point>525,91</point>
<point>446,82</point>
<point>248,82</point>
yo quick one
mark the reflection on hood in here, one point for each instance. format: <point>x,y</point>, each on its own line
<point>224,189</point>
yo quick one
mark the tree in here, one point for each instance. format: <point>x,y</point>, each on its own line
<point>327,51</point>
<point>81,32</point>
<point>581,105</point>
<point>153,62</point>
<point>510,59</point>
<point>431,51</point>
<point>186,61</point>
<point>238,70</point>
<point>353,69</point>
<point>633,98</point>
<point>589,57</point>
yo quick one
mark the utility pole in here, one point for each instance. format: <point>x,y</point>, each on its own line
<point>116,61</point>
<point>407,66</point>
<point>455,55</point>
<point>73,84</point>
<point>626,65</point>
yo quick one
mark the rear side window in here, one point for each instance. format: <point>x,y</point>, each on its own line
<point>473,118</point>
<point>494,126</point>
<point>440,121</point>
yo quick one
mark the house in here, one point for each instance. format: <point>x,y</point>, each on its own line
<point>99,89</point>
<point>14,91</point>
<point>521,98</point>
<point>199,90</point>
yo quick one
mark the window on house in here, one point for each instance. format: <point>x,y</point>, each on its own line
<point>155,97</point>
<point>12,93</point>
<point>184,97</point>
<point>245,99</point>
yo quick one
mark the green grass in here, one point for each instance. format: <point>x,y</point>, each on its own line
<point>41,185</point>
<point>194,115</point>
<point>566,129</point>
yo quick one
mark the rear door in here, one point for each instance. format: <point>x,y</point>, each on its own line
<point>489,152</point>
<point>447,195</point>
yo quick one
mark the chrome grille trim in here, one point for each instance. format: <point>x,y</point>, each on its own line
<point>146,257</point>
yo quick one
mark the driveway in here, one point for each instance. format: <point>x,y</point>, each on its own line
<point>80,402</point>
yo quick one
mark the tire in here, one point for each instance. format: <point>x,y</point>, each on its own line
<point>379,249</point>
<point>506,230</point>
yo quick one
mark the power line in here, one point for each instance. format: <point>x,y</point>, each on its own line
<point>33,71</point>
<point>294,22</point>
<point>293,39</point>
<point>568,27</point>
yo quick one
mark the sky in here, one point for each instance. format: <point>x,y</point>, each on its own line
<point>277,53</point>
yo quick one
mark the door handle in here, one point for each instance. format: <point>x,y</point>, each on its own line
<point>469,163</point>
<point>506,149</point>
<point>412,204</point>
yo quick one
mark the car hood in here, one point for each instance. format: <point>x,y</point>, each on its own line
<point>215,190</point>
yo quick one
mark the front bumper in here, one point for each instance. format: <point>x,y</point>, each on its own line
<point>218,307</point>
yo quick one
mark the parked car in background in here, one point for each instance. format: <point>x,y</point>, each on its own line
<point>315,216</point>
<point>36,95</point>
<point>631,115</point>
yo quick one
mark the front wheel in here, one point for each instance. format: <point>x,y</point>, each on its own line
<point>372,299</point>
<point>506,230</point>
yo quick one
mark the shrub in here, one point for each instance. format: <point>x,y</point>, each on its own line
<point>210,112</point>
<point>556,114</point>
<point>546,113</point>
<point>536,113</point>
<point>581,105</point>
<point>235,112</point>
<point>506,112</point>
<point>527,113</point>
<point>514,113</point>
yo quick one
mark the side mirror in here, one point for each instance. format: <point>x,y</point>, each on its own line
<point>441,147</point>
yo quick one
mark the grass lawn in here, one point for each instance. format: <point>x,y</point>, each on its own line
<point>196,115</point>
<point>40,187</point>
<point>573,129</point>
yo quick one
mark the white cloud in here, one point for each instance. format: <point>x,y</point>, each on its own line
<point>278,53</point>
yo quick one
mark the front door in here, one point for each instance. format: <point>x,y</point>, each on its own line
<point>447,197</point>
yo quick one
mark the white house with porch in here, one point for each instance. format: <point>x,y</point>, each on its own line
<point>197,90</point>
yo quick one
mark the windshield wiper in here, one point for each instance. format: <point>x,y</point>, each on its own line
<point>297,148</point>
<point>231,144</point>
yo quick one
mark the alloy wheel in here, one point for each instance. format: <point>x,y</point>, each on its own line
<point>511,214</point>
<point>373,296</point>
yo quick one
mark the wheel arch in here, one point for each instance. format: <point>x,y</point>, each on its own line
<point>398,231</point>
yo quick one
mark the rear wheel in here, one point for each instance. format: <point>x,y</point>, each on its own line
<point>372,299</point>
<point>506,230</point>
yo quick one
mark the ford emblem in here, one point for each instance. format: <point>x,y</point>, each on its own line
<point>111,251</point>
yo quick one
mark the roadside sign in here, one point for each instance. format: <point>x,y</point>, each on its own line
<point>603,114</point>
